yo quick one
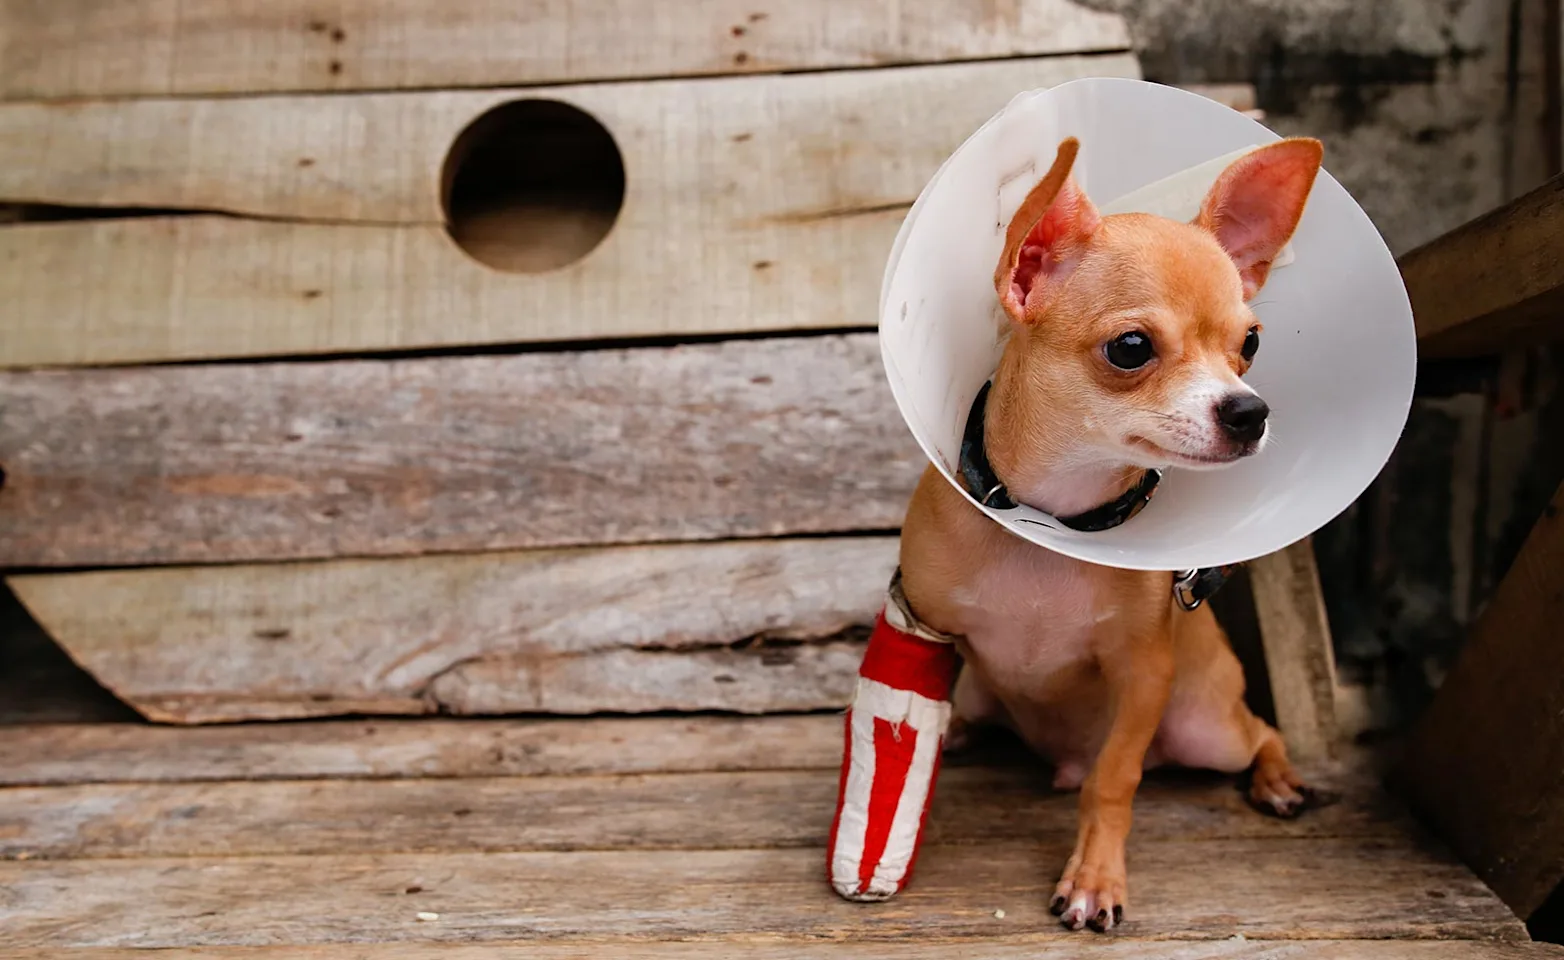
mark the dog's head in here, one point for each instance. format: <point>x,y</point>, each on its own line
<point>1131,332</point>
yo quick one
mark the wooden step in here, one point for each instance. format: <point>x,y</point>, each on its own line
<point>593,849</point>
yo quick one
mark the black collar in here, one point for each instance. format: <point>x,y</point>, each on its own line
<point>983,484</point>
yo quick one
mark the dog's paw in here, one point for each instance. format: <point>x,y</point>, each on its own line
<point>1090,894</point>
<point>1280,793</point>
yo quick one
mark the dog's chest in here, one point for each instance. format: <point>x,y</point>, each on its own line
<point>1029,614</point>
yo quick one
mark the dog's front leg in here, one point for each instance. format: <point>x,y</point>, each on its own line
<point>1093,889</point>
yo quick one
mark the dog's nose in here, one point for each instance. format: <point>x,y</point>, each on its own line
<point>1242,416</point>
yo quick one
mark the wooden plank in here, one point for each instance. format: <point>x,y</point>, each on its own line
<point>1485,763</point>
<point>930,946</point>
<point>218,46</point>
<point>378,159</point>
<point>761,203</point>
<point>1262,889</point>
<point>184,464</point>
<point>378,749</point>
<point>708,811</point>
<point>1496,283</point>
<point>747,626</point>
<point>1298,657</point>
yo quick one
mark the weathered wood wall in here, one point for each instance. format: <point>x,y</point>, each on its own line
<point>252,199</point>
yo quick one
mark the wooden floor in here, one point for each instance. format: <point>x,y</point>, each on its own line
<point>458,839</point>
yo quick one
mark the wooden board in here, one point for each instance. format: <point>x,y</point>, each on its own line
<point>219,46</point>
<point>763,203</point>
<point>1300,663</point>
<point>1264,889</point>
<point>378,159</point>
<point>379,749</point>
<point>1485,763</point>
<point>787,808</point>
<point>930,946</point>
<point>182,464</point>
<point>747,626</point>
<point>1496,283</point>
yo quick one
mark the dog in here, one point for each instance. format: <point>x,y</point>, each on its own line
<point>1129,337</point>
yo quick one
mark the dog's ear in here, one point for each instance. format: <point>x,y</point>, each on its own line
<point>1255,205</point>
<point>1047,235</point>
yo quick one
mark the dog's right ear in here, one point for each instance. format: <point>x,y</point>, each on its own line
<point>1047,236</point>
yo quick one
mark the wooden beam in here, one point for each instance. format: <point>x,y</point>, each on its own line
<point>631,629</point>
<point>1315,888</point>
<point>1298,656</point>
<point>221,46</point>
<point>1485,764</point>
<point>1496,283</point>
<point>185,464</point>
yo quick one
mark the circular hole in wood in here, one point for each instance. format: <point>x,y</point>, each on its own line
<point>532,185</point>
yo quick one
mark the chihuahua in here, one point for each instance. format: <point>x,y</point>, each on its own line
<point>1129,337</point>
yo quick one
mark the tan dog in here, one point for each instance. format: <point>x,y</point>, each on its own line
<point>1129,336</point>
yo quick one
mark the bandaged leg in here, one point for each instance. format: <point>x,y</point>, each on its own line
<point>895,728</point>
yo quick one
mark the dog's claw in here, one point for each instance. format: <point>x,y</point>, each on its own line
<point>1118,915</point>
<point>1057,906</point>
<point>1099,922</point>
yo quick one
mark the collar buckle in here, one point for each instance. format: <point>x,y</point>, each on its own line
<point>1191,588</point>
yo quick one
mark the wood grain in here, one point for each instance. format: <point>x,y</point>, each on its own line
<point>1485,764</point>
<point>1299,659</point>
<point>707,811</point>
<point>1496,283</point>
<point>222,46</point>
<point>183,464</point>
<point>745,626</point>
<point>930,946</point>
<point>758,203</point>
<point>1264,889</point>
<point>77,753</point>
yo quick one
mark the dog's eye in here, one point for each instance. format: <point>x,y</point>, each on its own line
<point>1251,343</point>
<point>1129,351</point>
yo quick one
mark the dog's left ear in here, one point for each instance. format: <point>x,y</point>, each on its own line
<point>1255,205</point>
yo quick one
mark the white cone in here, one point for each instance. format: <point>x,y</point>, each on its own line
<point>1337,366</point>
